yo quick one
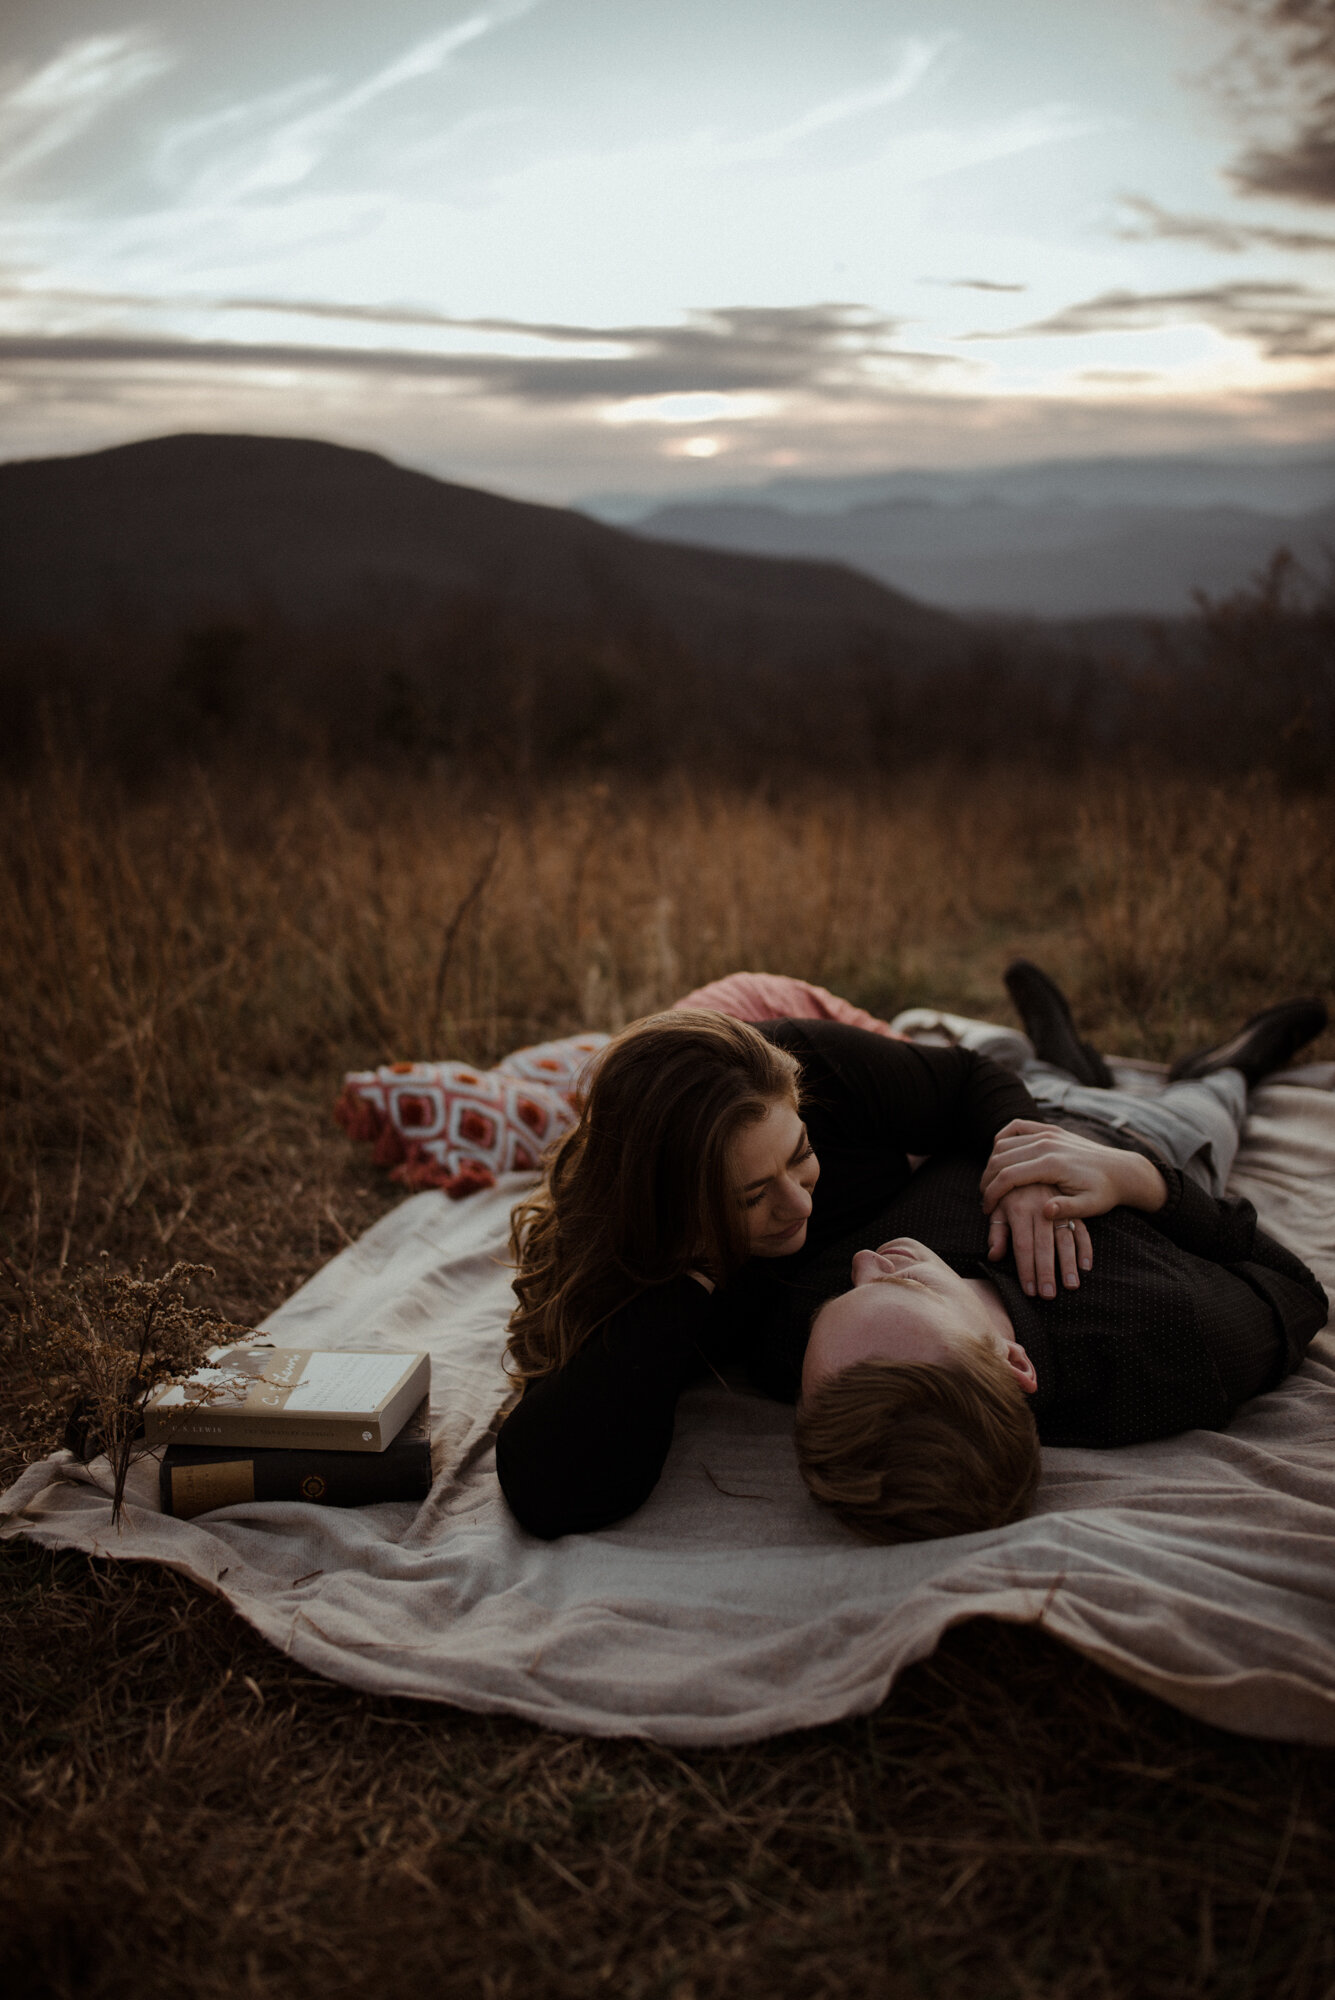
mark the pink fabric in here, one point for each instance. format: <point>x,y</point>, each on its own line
<point>772,996</point>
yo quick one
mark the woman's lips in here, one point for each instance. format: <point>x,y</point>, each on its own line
<point>782,1235</point>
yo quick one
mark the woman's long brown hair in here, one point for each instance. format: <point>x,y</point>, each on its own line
<point>640,1190</point>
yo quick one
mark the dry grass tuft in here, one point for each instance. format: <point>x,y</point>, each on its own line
<point>182,980</point>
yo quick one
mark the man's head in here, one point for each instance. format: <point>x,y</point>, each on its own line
<point>913,1421</point>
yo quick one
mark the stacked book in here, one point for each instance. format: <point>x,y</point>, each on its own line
<point>286,1423</point>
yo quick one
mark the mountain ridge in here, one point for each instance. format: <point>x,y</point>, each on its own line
<point>223,524</point>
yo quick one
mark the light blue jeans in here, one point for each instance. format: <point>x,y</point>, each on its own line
<point>1195,1125</point>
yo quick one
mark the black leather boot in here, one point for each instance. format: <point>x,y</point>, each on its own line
<point>1042,1007</point>
<point>1267,1042</point>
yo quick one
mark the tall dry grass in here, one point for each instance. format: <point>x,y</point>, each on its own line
<point>183,977</point>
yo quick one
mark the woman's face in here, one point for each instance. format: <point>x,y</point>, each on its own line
<point>774,1171</point>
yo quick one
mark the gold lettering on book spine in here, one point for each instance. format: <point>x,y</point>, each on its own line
<point>196,1489</point>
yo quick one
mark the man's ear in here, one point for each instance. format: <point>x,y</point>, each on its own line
<point>1021,1367</point>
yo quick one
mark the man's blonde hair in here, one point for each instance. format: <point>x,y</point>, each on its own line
<point>906,1451</point>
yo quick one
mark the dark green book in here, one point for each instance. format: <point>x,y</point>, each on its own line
<point>193,1479</point>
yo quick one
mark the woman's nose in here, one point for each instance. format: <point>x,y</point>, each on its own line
<point>796,1198</point>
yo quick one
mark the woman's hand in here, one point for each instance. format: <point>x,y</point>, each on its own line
<point>1081,1177</point>
<point>1042,1246</point>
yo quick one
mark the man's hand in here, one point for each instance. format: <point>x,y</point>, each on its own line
<point>1042,1247</point>
<point>1080,1177</point>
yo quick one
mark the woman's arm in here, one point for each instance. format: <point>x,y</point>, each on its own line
<point>914,1099</point>
<point>585,1445</point>
<point>1083,1178</point>
<point>1040,1179</point>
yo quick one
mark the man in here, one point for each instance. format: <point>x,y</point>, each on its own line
<point>926,1388</point>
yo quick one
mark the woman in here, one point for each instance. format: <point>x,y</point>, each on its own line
<point>685,1204</point>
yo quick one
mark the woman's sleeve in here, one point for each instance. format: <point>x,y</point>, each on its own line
<point>585,1445</point>
<point>921,1100</point>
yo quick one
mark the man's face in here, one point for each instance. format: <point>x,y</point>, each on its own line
<point>906,1304</point>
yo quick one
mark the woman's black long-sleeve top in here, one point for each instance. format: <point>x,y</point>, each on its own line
<point>586,1444</point>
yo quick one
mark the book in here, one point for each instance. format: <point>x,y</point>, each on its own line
<point>193,1479</point>
<point>291,1398</point>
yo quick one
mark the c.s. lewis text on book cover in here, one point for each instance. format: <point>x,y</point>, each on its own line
<point>193,1479</point>
<point>292,1398</point>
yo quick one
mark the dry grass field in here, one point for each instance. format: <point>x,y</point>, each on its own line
<point>183,976</point>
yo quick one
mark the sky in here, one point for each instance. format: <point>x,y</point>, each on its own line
<point>563,247</point>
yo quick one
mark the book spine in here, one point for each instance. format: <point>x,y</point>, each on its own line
<point>324,1479</point>
<point>280,1433</point>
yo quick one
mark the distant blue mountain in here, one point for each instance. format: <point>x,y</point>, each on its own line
<point>1283,482</point>
<point>1061,539</point>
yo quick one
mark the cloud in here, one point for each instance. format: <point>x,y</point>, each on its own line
<point>46,110</point>
<point>975,285</point>
<point>916,57</point>
<point>1281,73</point>
<point>271,143</point>
<point>1301,170</point>
<point>1286,321</point>
<point>832,352</point>
<point>553,452</point>
<point>1159,224</point>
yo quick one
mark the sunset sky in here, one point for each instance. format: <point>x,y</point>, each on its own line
<point>556,247</point>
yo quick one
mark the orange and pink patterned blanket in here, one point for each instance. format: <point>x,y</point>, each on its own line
<point>447,1125</point>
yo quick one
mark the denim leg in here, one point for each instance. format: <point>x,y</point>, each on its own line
<point>1196,1124</point>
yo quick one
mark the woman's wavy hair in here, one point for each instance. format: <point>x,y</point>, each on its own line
<point>640,1190</point>
<point>906,1451</point>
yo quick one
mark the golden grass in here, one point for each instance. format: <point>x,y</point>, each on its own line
<point>183,976</point>
<point>190,1813</point>
<point>175,971</point>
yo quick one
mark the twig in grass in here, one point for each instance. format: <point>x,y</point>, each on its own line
<point>36,1222</point>
<point>454,926</point>
<point>1267,1896</point>
<point>341,1232</point>
<point>166,1233</point>
<point>68,1230</point>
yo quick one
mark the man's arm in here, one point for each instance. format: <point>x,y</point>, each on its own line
<point>1081,1178</point>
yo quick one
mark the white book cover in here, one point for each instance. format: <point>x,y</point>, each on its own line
<point>293,1398</point>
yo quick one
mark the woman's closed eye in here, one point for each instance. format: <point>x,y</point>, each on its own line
<point>798,1160</point>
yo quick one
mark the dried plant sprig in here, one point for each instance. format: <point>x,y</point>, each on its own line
<point>98,1349</point>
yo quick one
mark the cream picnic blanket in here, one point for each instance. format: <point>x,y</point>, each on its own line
<point>731,1607</point>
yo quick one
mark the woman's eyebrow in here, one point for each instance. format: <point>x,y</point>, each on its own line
<point>791,1161</point>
